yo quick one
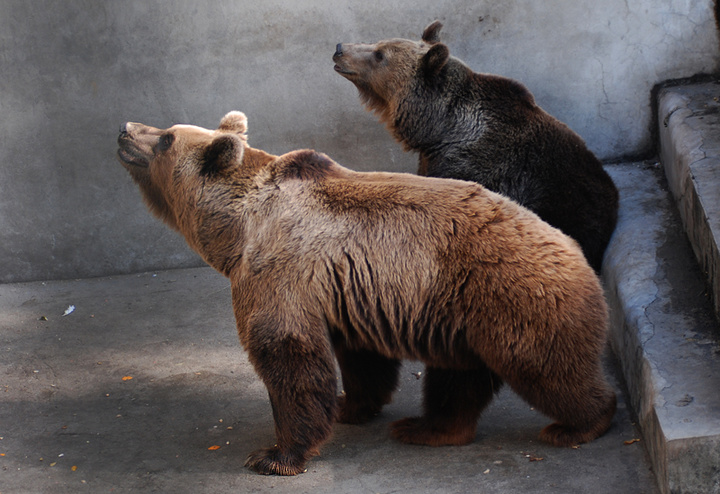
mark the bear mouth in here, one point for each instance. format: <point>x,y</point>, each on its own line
<point>130,156</point>
<point>343,71</point>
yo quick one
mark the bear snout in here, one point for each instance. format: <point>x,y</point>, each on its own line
<point>341,61</point>
<point>129,152</point>
<point>123,135</point>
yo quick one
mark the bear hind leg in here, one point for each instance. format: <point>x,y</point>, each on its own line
<point>581,402</point>
<point>453,401</point>
<point>576,430</point>
<point>369,380</point>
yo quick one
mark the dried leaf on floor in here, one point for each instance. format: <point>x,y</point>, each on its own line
<point>532,457</point>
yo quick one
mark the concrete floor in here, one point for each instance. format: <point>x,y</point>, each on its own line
<point>72,421</point>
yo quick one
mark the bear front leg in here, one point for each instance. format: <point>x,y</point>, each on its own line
<point>369,380</point>
<point>452,401</point>
<point>300,378</point>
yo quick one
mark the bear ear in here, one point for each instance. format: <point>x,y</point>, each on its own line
<point>235,122</point>
<point>431,34</point>
<point>434,60</point>
<point>225,151</point>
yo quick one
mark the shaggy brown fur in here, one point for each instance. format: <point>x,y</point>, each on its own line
<point>484,128</point>
<point>373,268</point>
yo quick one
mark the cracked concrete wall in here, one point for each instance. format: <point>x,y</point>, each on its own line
<point>73,71</point>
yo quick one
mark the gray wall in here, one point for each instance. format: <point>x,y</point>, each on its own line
<point>72,71</point>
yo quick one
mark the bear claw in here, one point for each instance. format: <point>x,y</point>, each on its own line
<point>270,461</point>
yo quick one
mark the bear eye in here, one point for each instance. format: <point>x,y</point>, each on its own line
<point>379,56</point>
<point>164,143</point>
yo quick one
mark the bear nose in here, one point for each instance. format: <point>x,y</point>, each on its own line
<point>338,50</point>
<point>123,130</point>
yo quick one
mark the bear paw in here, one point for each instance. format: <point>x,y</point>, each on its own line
<point>353,413</point>
<point>419,430</point>
<point>271,461</point>
<point>565,436</point>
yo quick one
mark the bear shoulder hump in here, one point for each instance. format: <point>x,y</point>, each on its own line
<point>495,86</point>
<point>308,164</point>
<point>518,90</point>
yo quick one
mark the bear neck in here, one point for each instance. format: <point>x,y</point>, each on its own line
<point>455,109</point>
<point>423,117</point>
<point>255,160</point>
<point>218,233</point>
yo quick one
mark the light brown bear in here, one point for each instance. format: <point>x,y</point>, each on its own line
<point>485,128</point>
<point>374,268</point>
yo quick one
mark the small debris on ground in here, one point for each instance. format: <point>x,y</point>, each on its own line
<point>532,457</point>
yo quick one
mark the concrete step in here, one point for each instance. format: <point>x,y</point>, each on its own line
<point>665,333</point>
<point>689,135</point>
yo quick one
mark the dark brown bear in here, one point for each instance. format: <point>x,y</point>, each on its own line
<point>373,268</point>
<point>487,129</point>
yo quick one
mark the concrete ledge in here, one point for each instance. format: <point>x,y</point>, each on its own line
<point>689,131</point>
<point>665,334</point>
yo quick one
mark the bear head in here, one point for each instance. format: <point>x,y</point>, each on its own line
<point>386,71</point>
<point>172,166</point>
